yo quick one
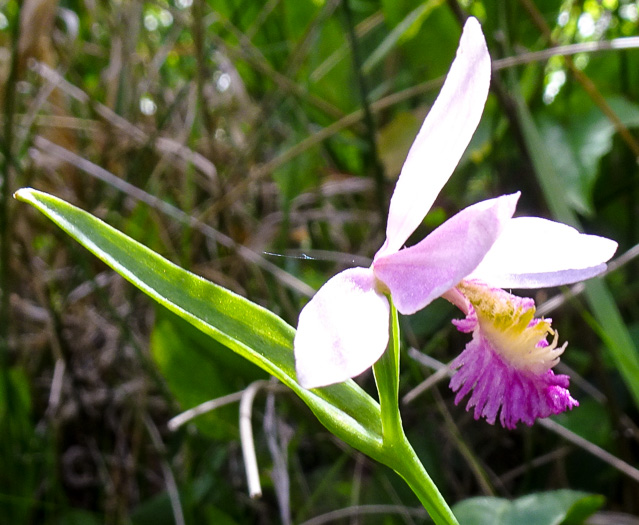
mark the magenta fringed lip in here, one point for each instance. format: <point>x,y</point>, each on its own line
<point>507,366</point>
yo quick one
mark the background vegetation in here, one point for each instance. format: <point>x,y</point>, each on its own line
<point>257,143</point>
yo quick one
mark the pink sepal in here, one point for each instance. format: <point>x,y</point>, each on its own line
<point>419,274</point>
<point>533,252</point>
<point>342,331</point>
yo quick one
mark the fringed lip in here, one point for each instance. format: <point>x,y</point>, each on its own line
<point>507,366</point>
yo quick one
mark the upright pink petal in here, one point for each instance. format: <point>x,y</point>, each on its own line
<point>342,331</point>
<point>443,138</point>
<point>532,253</point>
<point>417,275</point>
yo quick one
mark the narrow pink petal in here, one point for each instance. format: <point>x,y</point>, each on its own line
<point>342,331</point>
<point>443,138</point>
<point>417,275</point>
<point>532,253</point>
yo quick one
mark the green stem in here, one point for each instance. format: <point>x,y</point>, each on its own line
<point>397,452</point>
<point>386,372</point>
<point>409,467</point>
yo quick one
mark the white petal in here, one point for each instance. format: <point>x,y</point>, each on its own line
<point>532,253</point>
<point>443,138</point>
<point>342,331</point>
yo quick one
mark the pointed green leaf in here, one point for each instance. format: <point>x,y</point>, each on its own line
<point>245,327</point>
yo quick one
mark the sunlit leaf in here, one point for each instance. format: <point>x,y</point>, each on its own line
<point>246,328</point>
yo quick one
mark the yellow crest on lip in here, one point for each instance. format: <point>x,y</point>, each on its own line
<point>508,323</point>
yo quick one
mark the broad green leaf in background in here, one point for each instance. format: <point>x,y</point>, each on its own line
<point>613,331</point>
<point>418,45</point>
<point>395,139</point>
<point>560,507</point>
<point>246,328</point>
<point>407,28</point>
<point>577,146</point>
<point>591,421</point>
<point>196,368</point>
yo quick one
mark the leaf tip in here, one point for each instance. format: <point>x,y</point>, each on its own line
<point>23,194</point>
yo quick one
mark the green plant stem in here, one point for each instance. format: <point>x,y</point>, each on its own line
<point>397,452</point>
<point>410,468</point>
<point>386,372</point>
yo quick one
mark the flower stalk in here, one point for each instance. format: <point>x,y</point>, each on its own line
<point>351,324</point>
<point>386,371</point>
<point>397,450</point>
<point>410,468</point>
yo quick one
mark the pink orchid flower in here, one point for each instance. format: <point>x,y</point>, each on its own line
<point>508,364</point>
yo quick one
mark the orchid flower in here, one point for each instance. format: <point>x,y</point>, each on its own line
<point>508,364</point>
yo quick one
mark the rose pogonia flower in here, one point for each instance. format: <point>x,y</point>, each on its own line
<point>508,364</point>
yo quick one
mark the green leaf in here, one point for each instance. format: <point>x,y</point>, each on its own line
<point>196,368</point>
<point>395,139</point>
<point>481,511</point>
<point>583,508</point>
<point>405,29</point>
<point>246,328</point>
<point>552,508</point>
<point>560,507</point>
<point>578,145</point>
<point>155,511</point>
<point>591,422</point>
<point>613,329</point>
<point>418,40</point>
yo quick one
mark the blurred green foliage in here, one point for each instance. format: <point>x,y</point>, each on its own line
<point>247,116</point>
<point>563,507</point>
